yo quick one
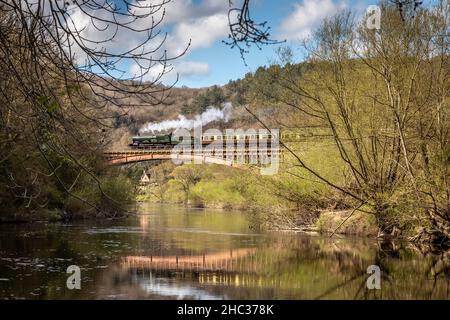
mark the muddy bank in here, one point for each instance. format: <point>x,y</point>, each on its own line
<point>57,215</point>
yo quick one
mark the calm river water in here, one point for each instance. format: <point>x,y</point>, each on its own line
<point>169,252</point>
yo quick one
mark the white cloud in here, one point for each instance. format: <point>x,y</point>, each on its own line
<point>184,69</point>
<point>183,10</point>
<point>202,32</point>
<point>201,23</point>
<point>307,16</point>
<point>190,68</point>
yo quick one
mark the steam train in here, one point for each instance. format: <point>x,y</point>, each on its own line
<point>158,141</point>
<point>165,141</point>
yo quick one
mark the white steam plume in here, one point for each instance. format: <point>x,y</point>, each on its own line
<point>210,115</point>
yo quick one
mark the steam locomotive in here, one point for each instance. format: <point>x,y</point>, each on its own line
<point>157,141</point>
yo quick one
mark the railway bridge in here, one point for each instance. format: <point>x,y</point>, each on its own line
<point>236,158</point>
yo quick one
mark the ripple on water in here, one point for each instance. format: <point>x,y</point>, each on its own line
<point>114,230</point>
<point>218,233</point>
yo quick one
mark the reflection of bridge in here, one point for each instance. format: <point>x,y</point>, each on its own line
<point>222,157</point>
<point>244,267</point>
<point>221,261</point>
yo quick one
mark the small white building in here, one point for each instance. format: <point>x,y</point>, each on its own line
<point>145,177</point>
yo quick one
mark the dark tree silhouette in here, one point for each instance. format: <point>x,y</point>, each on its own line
<point>407,8</point>
<point>244,31</point>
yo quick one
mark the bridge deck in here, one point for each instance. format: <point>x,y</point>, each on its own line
<point>223,157</point>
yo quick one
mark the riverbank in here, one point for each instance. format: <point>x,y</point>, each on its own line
<point>272,203</point>
<point>107,195</point>
<point>347,222</point>
<point>57,215</point>
<point>325,222</point>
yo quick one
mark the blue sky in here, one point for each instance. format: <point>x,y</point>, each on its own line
<point>205,22</point>
<point>290,20</point>
<point>226,63</point>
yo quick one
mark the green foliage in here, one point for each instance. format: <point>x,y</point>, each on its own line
<point>216,186</point>
<point>109,196</point>
<point>49,104</point>
<point>222,194</point>
<point>213,97</point>
<point>28,192</point>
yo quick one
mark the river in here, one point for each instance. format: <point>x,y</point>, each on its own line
<point>168,252</point>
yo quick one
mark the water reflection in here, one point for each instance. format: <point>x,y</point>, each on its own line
<point>175,253</point>
<point>228,260</point>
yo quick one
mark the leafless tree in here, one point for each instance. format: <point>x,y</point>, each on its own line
<point>63,65</point>
<point>407,8</point>
<point>244,31</point>
<point>377,97</point>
